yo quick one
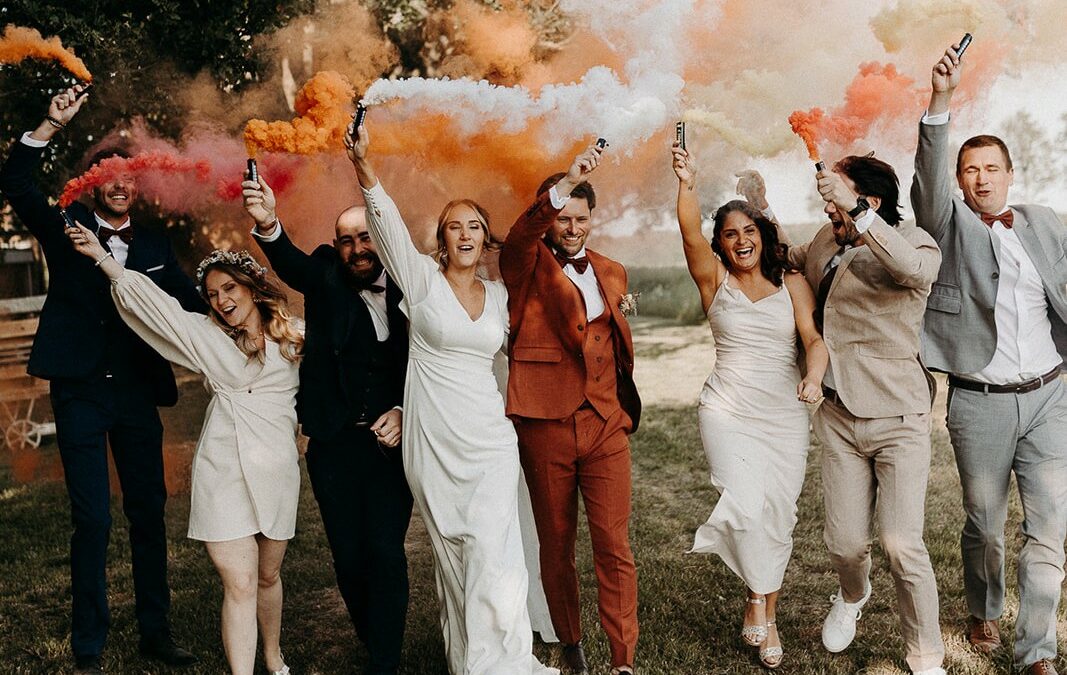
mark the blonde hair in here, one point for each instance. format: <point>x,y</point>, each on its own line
<point>490,243</point>
<point>278,324</point>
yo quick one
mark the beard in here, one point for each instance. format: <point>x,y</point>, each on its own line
<point>361,279</point>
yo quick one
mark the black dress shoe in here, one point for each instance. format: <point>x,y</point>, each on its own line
<point>574,660</point>
<point>163,649</point>
<point>88,665</point>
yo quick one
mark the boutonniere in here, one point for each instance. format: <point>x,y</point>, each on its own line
<point>628,303</point>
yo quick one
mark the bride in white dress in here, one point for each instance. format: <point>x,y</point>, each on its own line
<point>460,451</point>
<point>753,422</point>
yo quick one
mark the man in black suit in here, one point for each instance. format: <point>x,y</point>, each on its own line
<point>351,388</point>
<point>105,386</point>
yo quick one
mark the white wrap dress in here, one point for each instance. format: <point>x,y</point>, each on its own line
<point>245,475</point>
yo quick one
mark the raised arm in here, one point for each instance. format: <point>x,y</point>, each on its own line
<point>411,269</point>
<point>17,180</point>
<point>297,269</point>
<point>705,267</point>
<point>931,190</point>
<point>816,357</point>
<point>186,338</point>
<point>519,255</point>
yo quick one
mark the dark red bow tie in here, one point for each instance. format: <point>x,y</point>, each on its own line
<point>580,264</point>
<point>375,288</point>
<point>1007,218</point>
<point>105,233</point>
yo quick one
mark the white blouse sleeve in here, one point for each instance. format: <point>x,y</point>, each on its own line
<point>411,269</point>
<point>185,338</point>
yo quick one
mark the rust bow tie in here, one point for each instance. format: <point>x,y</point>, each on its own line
<point>105,233</point>
<point>1007,218</point>
<point>580,264</point>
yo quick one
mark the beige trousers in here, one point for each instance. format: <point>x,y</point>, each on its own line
<point>877,468</point>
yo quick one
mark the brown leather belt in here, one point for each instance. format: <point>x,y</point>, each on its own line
<point>1017,388</point>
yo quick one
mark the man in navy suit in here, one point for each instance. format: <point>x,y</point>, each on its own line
<point>105,386</point>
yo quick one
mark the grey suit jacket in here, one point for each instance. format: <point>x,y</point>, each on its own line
<point>960,332</point>
<point>872,316</point>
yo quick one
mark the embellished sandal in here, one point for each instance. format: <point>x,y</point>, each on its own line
<point>754,635</point>
<point>771,657</point>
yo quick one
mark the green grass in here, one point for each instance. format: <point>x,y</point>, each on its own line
<point>690,605</point>
<point>667,293</point>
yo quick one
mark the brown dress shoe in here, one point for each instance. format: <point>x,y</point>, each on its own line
<point>983,635</point>
<point>1042,667</point>
<point>574,660</point>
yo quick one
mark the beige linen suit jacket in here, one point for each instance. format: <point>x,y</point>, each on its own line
<point>873,316</point>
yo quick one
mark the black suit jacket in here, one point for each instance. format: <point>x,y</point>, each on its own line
<point>336,319</point>
<point>79,322</point>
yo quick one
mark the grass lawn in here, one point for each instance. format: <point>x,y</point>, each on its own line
<point>690,605</point>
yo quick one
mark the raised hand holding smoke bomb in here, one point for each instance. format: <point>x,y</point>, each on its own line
<point>252,174</point>
<point>945,77</point>
<point>61,110</point>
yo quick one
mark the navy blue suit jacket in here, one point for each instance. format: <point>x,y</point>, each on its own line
<point>79,315</point>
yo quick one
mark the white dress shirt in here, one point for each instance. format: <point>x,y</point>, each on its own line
<point>586,281</point>
<point>1025,348</point>
<point>375,302</point>
<point>120,250</point>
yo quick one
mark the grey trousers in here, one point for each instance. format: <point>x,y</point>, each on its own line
<point>877,468</point>
<point>992,436</point>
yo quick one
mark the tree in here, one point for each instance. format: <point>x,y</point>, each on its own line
<point>1033,155</point>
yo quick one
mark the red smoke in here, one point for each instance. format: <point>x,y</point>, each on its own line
<point>108,169</point>
<point>878,92</point>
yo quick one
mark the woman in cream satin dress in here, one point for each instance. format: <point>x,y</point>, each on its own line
<point>753,421</point>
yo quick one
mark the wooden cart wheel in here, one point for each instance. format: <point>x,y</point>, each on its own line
<point>22,434</point>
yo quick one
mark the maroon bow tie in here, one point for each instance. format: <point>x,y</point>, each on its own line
<point>105,233</point>
<point>579,264</point>
<point>1007,218</point>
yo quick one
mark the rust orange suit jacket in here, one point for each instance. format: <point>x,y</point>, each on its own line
<point>547,373</point>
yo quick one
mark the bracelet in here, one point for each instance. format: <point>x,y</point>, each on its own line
<point>54,122</point>
<point>103,258</point>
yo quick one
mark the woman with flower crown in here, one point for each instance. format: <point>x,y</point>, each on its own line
<point>245,476</point>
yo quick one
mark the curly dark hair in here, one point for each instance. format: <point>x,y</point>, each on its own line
<point>772,262</point>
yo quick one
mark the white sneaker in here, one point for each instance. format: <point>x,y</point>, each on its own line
<point>930,671</point>
<point>839,627</point>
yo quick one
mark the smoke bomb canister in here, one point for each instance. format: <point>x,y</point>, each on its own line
<point>67,219</point>
<point>601,143</point>
<point>253,172</point>
<point>679,134</point>
<point>820,165</point>
<point>86,86</point>
<point>361,114</point>
<point>964,42</point>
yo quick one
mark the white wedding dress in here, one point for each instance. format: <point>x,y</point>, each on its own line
<point>461,457</point>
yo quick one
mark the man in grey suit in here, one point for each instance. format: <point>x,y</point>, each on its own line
<point>871,278</point>
<point>995,321</point>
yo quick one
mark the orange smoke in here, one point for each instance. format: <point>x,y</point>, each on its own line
<point>324,106</point>
<point>18,44</point>
<point>111,167</point>
<point>878,92</point>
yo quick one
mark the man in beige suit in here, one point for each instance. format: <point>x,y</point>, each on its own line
<point>871,278</point>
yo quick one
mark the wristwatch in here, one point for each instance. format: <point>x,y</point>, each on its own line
<point>861,205</point>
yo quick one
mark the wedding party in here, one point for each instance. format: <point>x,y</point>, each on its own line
<point>418,382</point>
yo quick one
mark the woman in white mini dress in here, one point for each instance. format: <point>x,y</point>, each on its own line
<point>245,474</point>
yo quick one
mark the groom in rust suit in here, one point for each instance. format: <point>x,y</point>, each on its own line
<point>572,397</point>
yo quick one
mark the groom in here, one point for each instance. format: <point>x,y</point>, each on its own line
<point>572,397</point>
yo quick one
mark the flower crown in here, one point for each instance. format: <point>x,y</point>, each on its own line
<point>242,260</point>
